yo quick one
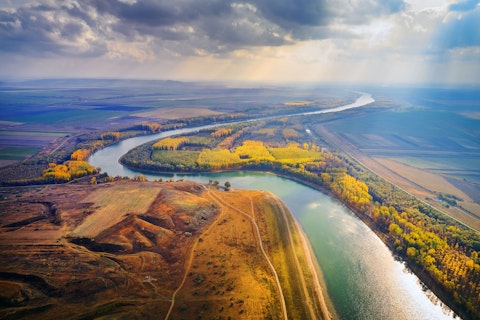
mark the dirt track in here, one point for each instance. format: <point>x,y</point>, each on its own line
<point>259,243</point>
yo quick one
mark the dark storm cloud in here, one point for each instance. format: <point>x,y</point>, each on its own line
<point>291,13</point>
<point>153,13</point>
<point>42,30</point>
<point>215,26</point>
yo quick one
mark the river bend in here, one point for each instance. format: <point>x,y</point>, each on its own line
<point>363,280</point>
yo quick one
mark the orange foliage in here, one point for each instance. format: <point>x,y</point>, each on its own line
<point>221,132</point>
<point>80,155</point>
<point>170,143</point>
<point>115,136</point>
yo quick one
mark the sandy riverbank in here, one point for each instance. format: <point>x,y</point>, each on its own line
<point>319,284</point>
<point>311,276</point>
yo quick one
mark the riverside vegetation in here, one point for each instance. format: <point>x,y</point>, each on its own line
<point>441,251</point>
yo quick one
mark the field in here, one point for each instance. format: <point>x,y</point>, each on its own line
<point>177,113</point>
<point>114,203</point>
<point>424,144</point>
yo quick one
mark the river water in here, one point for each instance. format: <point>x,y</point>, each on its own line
<point>363,280</point>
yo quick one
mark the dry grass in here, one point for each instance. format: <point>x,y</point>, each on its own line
<point>430,181</point>
<point>209,243</point>
<point>113,203</point>
<point>229,276</point>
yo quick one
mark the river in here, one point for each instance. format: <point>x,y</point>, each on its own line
<point>363,280</point>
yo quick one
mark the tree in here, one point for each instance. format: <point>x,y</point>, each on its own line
<point>227,185</point>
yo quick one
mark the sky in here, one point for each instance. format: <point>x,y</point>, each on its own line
<point>369,41</point>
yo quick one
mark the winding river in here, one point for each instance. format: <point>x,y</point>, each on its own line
<point>363,280</point>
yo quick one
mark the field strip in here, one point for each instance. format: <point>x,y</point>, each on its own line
<point>113,204</point>
<point>260,243</point>
<point>308,258</point>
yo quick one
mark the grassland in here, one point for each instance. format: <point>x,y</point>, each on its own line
<point>130,249</point>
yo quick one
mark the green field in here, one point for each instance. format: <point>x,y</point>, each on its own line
<point>17,153</point>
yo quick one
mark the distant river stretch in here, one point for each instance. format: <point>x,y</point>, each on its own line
<point>362,278</point>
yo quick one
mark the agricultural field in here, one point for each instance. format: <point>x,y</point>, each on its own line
<point>114,202</point>
<point>424,144</point>
<point>177,113</point>
<point>34,114</point>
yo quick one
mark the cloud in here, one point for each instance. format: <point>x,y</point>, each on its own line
<point>291,13</point>
<point>45,29</point>
<point>268,38</point>
<point>459,30</point>
<point>362,12</point>
<point>466,5</point>
<point>214,26</point>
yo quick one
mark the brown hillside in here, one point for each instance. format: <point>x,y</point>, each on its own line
<point>126,248</point>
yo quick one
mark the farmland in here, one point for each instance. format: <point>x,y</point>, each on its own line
<point>425,146</point>
<point>114,203</point>
<point>35,113</point>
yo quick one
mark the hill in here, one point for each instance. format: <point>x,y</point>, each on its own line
<point>152,250</point>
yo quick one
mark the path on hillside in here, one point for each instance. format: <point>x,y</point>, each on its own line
<point>188,262</point>
<point>260,244</point>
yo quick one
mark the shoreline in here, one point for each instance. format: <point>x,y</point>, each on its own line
<point>311,268</point>
<point>320,286</point>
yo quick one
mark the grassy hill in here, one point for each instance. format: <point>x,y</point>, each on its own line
<point>152,250</point>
